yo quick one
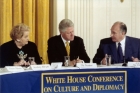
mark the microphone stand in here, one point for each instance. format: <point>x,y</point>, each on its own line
<point>124,61</point>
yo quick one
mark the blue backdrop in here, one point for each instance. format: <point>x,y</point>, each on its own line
<point>30,82</point>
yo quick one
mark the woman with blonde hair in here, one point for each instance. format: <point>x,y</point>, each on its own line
<point>17,51</point>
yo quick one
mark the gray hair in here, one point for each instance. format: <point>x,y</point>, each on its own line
<point>123,26</point>
<point>65,23</point>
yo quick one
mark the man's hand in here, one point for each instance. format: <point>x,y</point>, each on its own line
<point>79,60</point>
<point>72,63</point>
<point>103,62</point>
<point>135,59</point>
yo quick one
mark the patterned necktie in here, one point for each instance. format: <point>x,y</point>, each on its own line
<point>120,54</point>
<point>67,48</point>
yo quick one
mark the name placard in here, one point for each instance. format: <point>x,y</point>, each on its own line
<point>14,68</point>
<point>85,82</point>
<point>86,65</point>
<point>133,64</point>
<point>41,67</point>
<point>56,65</point>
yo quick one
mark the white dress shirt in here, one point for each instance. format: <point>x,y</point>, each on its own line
<point>64,41</point>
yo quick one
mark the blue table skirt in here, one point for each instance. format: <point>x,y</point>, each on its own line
<point>30,82</point>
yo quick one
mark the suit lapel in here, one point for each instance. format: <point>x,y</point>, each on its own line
<point>61,46</point>
<point>127,48</point>
<point>73,50</point>
<point>114,51</point>
<point>71,47</point>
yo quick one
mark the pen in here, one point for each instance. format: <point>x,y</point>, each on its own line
<point>77,59</point>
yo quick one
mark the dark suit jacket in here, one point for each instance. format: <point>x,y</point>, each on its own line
<point>57,51</point>
<point>107,46</point>
<point>9,51</point>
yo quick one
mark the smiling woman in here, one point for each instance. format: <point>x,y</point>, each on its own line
<point>17,51</point>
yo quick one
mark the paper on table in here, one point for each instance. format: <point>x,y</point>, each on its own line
<point>63,68</point>
<point>3,71</point>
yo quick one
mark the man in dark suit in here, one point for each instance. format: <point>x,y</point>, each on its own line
<point>57,45</point>
<point>129,46</point>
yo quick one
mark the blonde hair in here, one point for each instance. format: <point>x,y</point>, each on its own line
<point>18,31</point>
<point>65,23</point>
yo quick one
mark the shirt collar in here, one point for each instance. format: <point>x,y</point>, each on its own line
<point>122,42</point>
<point>64,40</point>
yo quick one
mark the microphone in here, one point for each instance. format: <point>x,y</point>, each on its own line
<point>124,61</point>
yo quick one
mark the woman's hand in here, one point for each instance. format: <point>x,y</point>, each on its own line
<point>20,63</point>
<point>33,63</point>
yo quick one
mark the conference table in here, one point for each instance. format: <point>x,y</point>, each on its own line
<point>30,81</point>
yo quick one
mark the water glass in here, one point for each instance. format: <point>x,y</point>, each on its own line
<point>108,60</point>
<point>66,60</point>
<point>31,59</point>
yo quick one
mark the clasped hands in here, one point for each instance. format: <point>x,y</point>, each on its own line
<point>24,63</point>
